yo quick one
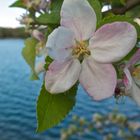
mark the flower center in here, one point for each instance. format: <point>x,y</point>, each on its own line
<point>136,73</point>
<point>81,50</point>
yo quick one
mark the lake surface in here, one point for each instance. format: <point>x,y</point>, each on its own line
<point>18,97</point>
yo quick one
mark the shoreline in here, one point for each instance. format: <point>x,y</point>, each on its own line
<point>13,33</point>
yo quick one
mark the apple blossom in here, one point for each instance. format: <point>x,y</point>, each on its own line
<point>38,35</point>
<point>81,53</point>
<point>25,19</point>
<point>132,78</point>
<point>44,5</point>
<point>41,50</point>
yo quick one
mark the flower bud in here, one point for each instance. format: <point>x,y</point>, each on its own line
<point>25,19</point>
<point>75,117</point>
<point>39,67</point>
<point>112,117</point>
<point>134,125</point>
<point>82,121</point>
<point>97,117</point>
<point>64,136</point>
<point>121,133</point>
<point>44,5</point>
<point>41,49</point>
<point>120,118</point>
<point>38,35</point>
<point>137,20</point>
<point>108,137</point>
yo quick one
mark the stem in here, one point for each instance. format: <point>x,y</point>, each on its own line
<point>130,4</point>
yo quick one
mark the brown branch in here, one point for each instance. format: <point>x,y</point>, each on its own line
<point>130,4</point>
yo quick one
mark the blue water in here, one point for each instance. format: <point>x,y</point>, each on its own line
<point>18,97</point>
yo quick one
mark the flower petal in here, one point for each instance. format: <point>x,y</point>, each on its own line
<point>38,35</point>
<point>132,88</point>
<point>60,43</point>
<point>99,80</point>
<point>40,67</point>
<point>127,79</point>
<point>113,41</point>
<point>62,76</point>
<point>78,16</point>
<point>135,58</point>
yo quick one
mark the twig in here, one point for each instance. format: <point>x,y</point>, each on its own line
<point>130,4</point>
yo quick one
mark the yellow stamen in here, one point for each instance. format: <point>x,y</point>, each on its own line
<point>136,72</point>
<point>81,50</point>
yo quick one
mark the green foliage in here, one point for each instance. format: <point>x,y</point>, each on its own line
<point>48,61</point>
<point>130,54</point>
<point>52,18</point>
<point>116,18</point>
<point>97,7</point>
<point>123,2</point>
<point>117,3</point>
<point>56,5</point>
<point>50,28</point>
<point>13,33</point>
<point>29,54</point>
<point>51,109</point>
<point>19,4</point>
<point>135,12</point>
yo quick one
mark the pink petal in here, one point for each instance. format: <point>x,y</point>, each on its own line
<point>60,43</point>
<point>61,76</point>
<point>132,88</point>
<point>99,80</point>
<point>135,58</point>
<point>127,79</point>
<point>113,41</point>
<point>38,35</point>
<point>78,16</point>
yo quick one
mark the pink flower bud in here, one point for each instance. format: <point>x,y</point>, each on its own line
<point>38,35</point>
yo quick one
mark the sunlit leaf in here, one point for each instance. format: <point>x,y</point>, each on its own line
<point>52,18</point>
<point>134,12</point>
<point>51,109</point>
<point>18,3</point>
<point>29,54</point>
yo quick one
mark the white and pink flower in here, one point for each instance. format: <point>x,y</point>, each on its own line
<point>81,53</point>
<point>132,78</point>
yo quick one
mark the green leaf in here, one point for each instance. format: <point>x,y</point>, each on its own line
<point>117,3</point>
<point>123,2</point>
<point>52,18</point>
<point>56,5</point>
<point>19,4</point>
<point>48,61</point>
<point>134,12</point>
<point>115,18</point>
<point>29,54</point>
<point>49,30</point>
<point>51,109</point>
<point>95,4</point>
<point>130,54</point>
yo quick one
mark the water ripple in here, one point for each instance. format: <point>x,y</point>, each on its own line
<point>18,100</point>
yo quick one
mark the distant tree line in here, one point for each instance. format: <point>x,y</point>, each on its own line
<point>13,33</point>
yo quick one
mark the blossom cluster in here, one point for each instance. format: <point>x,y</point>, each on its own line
<point>83,53</point>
